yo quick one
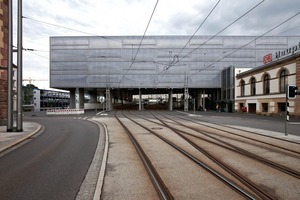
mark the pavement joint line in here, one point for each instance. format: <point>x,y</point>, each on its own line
<point>103,166</point>
<point>21,139</point>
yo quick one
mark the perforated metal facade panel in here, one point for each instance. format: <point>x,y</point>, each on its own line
<point>100,62</point>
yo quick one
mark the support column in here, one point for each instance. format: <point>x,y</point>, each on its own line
<point>199,99</point>
<point>107,99</point>
<point>171,100</point>
<point>73,98</point>
<point>186,99</point>
<point>81,98</point>
<point>80,93</point>
<point>140,100</point>
<point>93,96</point>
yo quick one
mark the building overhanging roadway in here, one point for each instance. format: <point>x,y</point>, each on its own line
<point>157,64</point>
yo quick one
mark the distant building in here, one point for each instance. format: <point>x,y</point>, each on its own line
<point>3,60</point>
<point>262,90</point>
<point>41,100</point>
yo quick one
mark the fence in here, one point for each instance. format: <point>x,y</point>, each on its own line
<point>65,112</point>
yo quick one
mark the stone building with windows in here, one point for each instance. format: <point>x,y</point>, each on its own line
<point>262,90</point>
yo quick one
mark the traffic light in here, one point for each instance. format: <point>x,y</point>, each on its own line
<point>292,92</point>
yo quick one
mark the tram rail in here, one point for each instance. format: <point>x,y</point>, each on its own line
<point>221,177</point>
<point>227,146</point>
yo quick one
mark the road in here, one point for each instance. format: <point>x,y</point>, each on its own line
<point>275,123</point>
<point>52,165</point>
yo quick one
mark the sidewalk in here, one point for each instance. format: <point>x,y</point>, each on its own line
<point>10,139</point>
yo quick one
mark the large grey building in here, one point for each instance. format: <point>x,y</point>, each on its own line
<point>119,67</point>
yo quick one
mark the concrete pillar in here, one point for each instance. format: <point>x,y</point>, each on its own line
<point>80,92</point>
<point>171,99</point>
<point>199,99</point>
<point>140,100</point>
<point>93,96</point>
<point>73,98</point>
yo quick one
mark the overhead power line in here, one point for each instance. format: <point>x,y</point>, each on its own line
<point>256,38</point>
<point>72,29</point>
<point>140,42</point>
<point>198,28</point>
<point>175,61</point>
<point>64,27</point>
<point>221,30</point>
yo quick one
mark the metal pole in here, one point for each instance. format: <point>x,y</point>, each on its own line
<point>20,67</point>
<point>10,70</point>
<point>286,110</point>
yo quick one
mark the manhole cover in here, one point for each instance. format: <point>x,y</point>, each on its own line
<point>156,128</point>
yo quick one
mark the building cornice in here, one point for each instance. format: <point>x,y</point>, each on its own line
<point>269,65</point>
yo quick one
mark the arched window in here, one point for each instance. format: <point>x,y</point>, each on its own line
<point>253,86</point>
<point>266,84</point>
<point>242,84</point>
<point>283,80</point>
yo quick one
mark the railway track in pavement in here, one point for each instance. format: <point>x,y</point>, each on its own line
<point>228,182</point>
<point>190,133</point>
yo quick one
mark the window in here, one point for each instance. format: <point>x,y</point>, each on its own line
<point>253,86</point>
<point>283,81</point>
<point>281,107</point>
<point>264,107</point>
<point>266,84</point>
<point>242,84</point>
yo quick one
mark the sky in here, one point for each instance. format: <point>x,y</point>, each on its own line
<point>45,18</point>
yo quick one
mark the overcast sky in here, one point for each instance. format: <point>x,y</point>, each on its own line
<point>130,17</point>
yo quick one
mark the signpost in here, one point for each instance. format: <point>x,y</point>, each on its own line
<point>291,92</point>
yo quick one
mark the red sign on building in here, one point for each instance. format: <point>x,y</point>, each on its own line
<point>267,58</point>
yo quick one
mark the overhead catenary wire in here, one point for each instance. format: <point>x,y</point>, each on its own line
<point>72,29</point>
<point>198,28</point>
<point>180,59</point>
<point>256,38</point>
<point>64,27</point>
<point>140,42</point>
<point>177,56</point>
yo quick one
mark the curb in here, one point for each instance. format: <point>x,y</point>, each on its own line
<point>103,166</point>
<point>92,184</point>
<point>21,139</point>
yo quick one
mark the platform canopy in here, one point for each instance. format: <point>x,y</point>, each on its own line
<point>154,61</point>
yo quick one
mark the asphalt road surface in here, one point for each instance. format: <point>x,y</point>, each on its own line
<point>52,165</point>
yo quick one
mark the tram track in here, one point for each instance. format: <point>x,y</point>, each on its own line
<point>214,125</point>
<point>228,146</point>
<point>161,189</point>
<point>237,149</point>
<point>221,177</point>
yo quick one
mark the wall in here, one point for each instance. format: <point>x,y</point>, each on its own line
<point>3,60</point>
